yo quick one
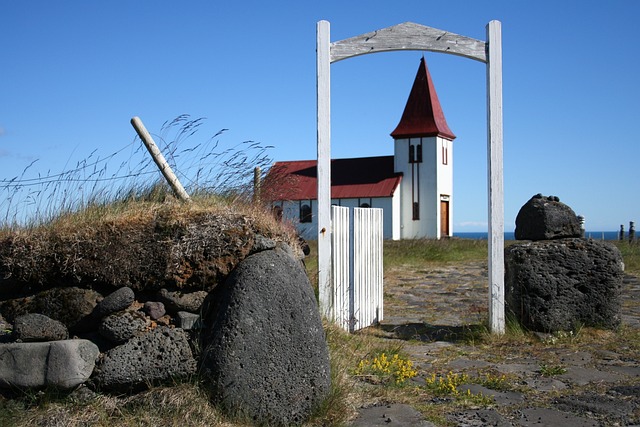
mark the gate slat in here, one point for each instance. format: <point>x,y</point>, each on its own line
<point>340,265</point>
<point>357,268</point>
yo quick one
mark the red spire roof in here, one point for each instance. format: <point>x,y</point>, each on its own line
<point>423,114</point>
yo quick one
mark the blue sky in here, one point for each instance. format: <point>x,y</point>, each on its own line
<point>73,73</point>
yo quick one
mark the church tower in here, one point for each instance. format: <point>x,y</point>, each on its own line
<point>423,153</point>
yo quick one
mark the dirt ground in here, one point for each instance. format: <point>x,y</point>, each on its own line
<point>430,311</point>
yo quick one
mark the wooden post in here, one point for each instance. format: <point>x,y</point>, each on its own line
<point>159,159</point>
<point>495,178</point>
<point>256,185</point>
<point>323,88</point>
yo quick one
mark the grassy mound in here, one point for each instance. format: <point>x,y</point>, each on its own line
<point>137,243</point>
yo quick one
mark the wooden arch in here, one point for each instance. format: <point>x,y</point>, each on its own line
<point>411,36</point>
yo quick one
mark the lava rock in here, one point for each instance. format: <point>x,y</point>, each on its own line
<point>262,243</point>
<point>114,302</point>
<point>175,301</point>
<point>38,327</point>
<point>556,285</point>
<point>158,356</point>
<point>154,309</point>
<point>546,218</point>
<point>72,306</point>
<point>121,326</point>
<point>265,352</point>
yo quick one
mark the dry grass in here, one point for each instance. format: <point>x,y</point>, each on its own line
<point>203,165</point>
<point>181,405</point>
<point>152,242</point>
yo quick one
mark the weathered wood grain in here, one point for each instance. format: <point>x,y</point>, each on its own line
<point>495,178</point>
<point>323,88</point>
<point>159,159</point>
<point>409,36</point>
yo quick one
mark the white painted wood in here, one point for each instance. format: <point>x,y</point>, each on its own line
<point>409,36</point>
<point>495,178</point>
<point>323,74</point>
<point>341,267</point>
<point>159,159</point>
<point>367,277</point>
<point>357,272</point>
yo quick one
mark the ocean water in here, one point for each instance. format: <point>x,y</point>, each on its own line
<point>596,235</point>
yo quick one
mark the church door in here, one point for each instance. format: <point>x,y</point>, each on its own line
<point>444,218</point>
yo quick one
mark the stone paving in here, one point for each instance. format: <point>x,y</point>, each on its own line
<point>430,310</point>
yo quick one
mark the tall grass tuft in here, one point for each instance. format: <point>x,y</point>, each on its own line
<point>206,168</point>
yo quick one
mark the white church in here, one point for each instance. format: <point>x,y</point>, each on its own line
<point>414,187</point>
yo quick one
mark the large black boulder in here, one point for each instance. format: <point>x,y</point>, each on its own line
<point>266,357</point>
<point>545,218</point>
<point>556,285</point>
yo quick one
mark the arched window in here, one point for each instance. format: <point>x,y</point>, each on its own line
<point>305,213</point>
<point>365,205</point>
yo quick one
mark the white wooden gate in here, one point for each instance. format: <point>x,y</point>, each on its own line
<point>411,36</point>
<point>357,274</point>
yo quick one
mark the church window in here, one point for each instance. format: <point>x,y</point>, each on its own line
<point>412,154</point>
<point>445,153</point>
<point>416,211</point>
<point>305,212</point>
<point>419,152</point>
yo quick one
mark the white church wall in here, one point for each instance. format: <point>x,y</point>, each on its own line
<point>435,176</point>
<point>309,230</point>
<point>385,203</point>
<point>417,186</point>
<point>402,165</point>
<point>445,178</point>
<point>429,198</point>
<point>291,214</point>
<point>395,218</point>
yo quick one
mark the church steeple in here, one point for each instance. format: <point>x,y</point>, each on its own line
<point>423,114</point>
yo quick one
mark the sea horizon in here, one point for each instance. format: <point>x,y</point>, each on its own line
<point>509,235</point>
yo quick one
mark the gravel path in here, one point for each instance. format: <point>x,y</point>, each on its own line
<point>430,310</point>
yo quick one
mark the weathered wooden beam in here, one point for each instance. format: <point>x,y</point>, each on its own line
<point>409,36</point>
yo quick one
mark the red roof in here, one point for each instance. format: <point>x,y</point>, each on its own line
<point>423,114</point>
<point>350,178</point>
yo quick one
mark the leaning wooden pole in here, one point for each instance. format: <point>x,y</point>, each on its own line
<point>159,159</point>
